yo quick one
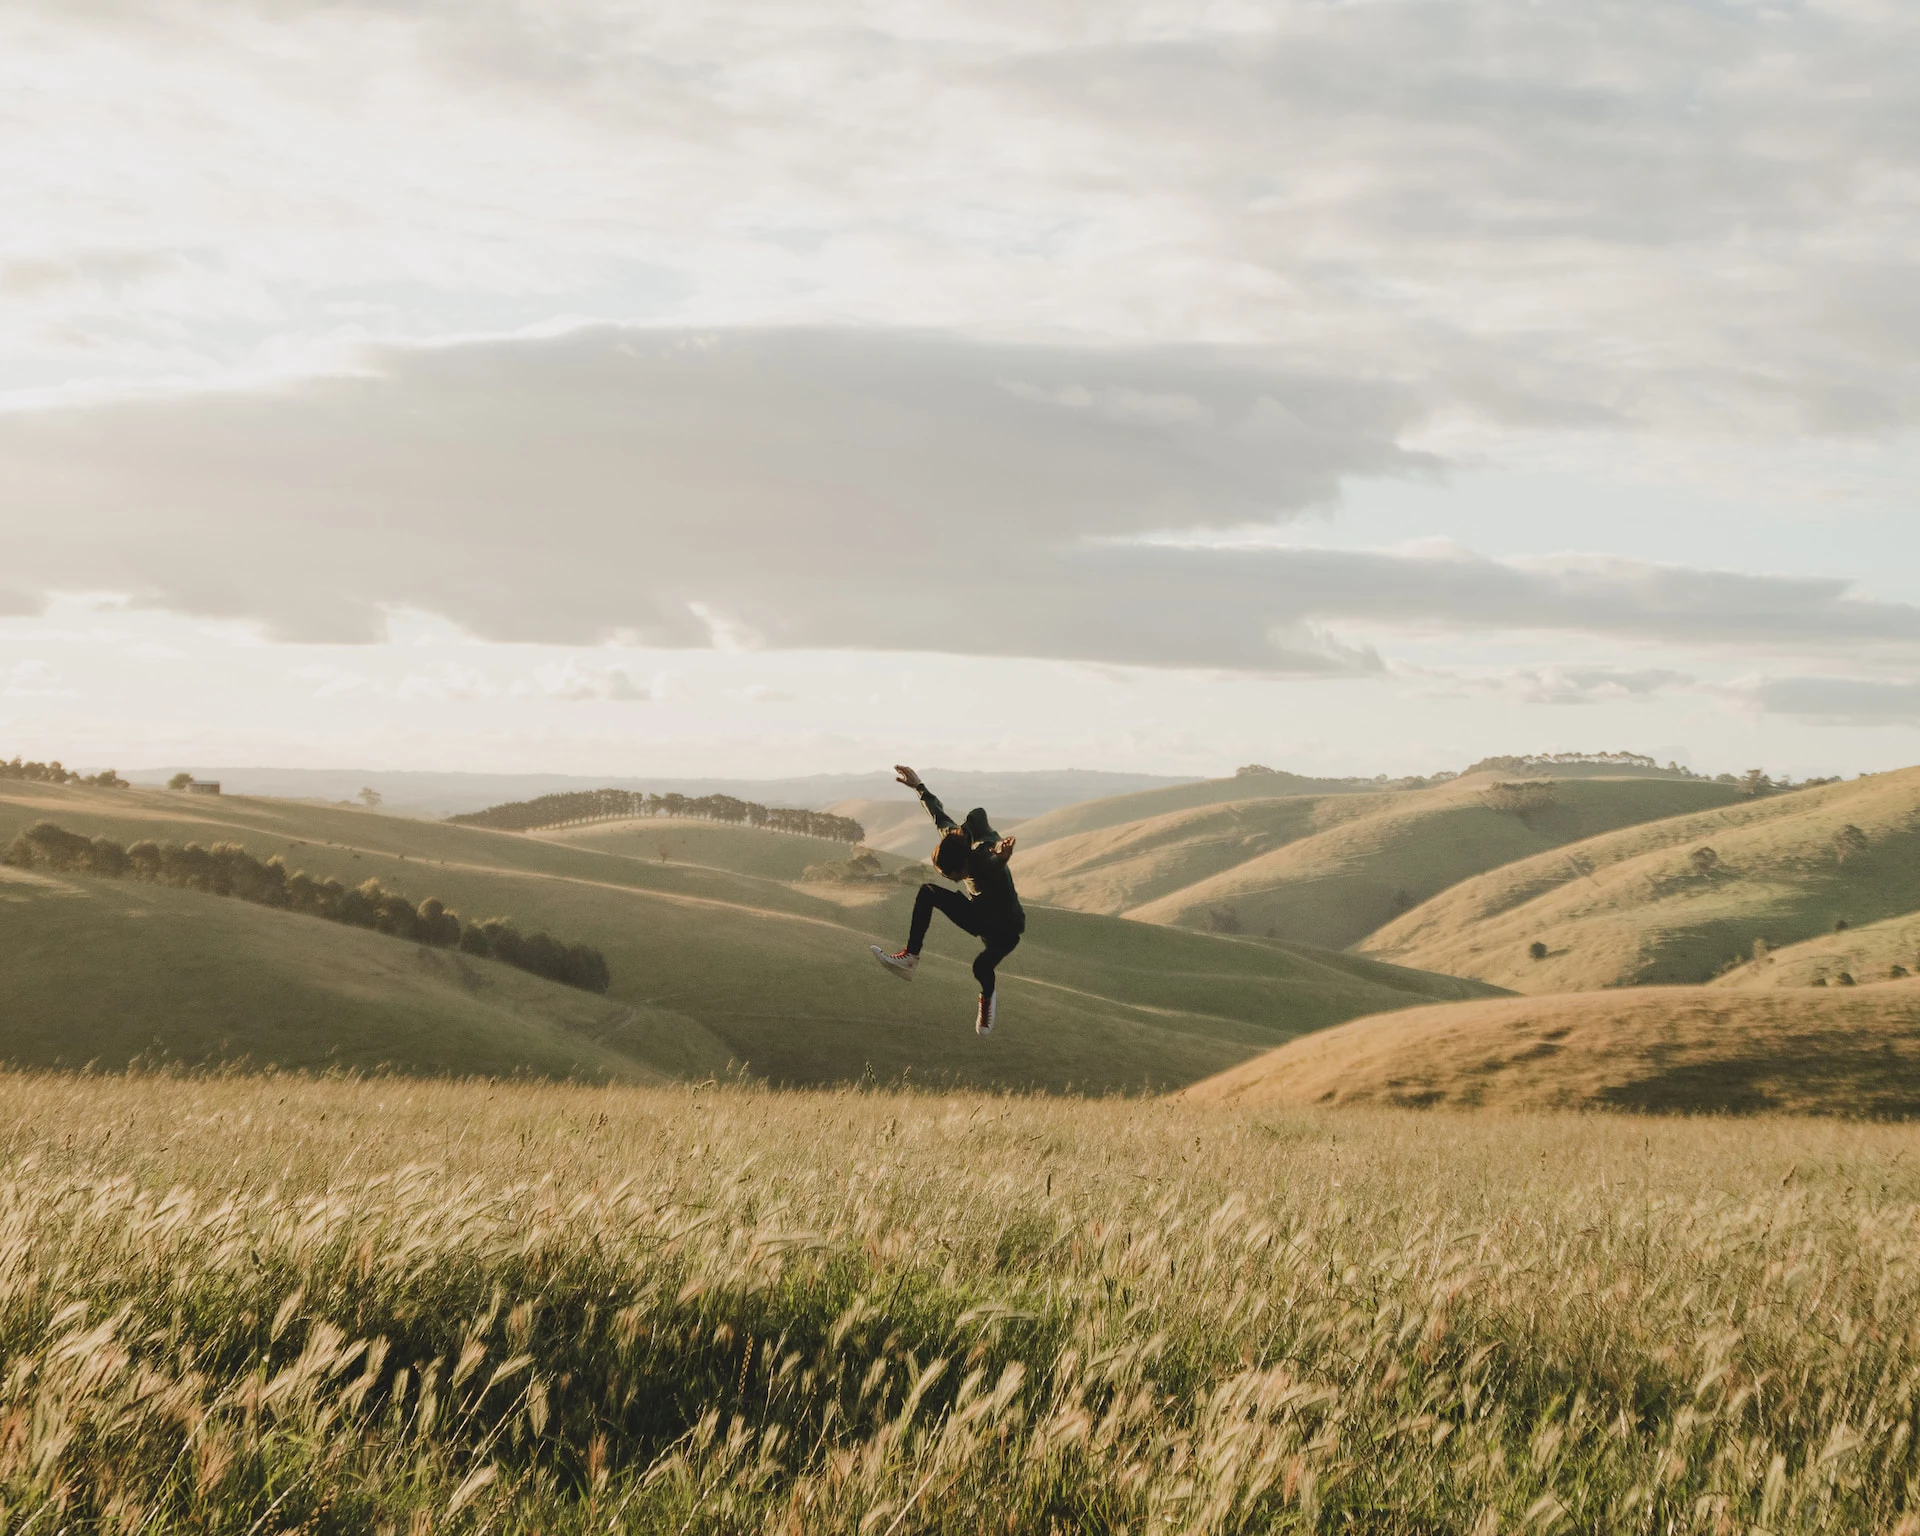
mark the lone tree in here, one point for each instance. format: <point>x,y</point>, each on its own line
<point>1850,843</point>
<point>1754,783</point>
<point>180,781</point>
<point>1704,860</point>
<point>1536,950</point>
<point>369,797</point>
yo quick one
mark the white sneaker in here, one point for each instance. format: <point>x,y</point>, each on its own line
<point>899,963</point>
<point>989,1011</point>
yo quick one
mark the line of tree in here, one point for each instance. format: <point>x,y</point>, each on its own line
<point>1529,761</point>
<point>227,869</point>
<point>1754,782</point>
<point>53,773</point>
<point>582,805</point>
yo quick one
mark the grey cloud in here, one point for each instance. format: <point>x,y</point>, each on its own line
<point>1639,213</point>
<point>675,487</point>
<point>1580,213</point>
<point>1838,700</point>
<point>814,489</point>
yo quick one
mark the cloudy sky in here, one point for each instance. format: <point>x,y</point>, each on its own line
<point>767,386</point>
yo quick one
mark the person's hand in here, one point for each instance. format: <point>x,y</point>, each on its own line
<point>906,775</point>
<point>1003,850</point>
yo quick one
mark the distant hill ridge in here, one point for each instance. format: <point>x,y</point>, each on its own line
<point>578,806</point>
<point>415,792</point>
<point>717,950</point>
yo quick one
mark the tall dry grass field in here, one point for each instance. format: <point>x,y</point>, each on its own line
<point>273,1305</point>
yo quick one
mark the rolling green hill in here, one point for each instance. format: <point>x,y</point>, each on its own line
<point>1329,870</point>
<point>1680,900</point>
<point>1687,1050</point>
<point>777,973</point>
<point>107,971</point>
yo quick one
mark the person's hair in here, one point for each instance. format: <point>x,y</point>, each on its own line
<point>950,853</point>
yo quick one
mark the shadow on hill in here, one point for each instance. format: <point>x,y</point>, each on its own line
<point>1874,1082</point>
<point>1852,1052</point>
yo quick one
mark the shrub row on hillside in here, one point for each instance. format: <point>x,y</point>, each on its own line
<point>618,804</point>
<point>227,869</point>
<point>53,773</point>
<point>864,869</point>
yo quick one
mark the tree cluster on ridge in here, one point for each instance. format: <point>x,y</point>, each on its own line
<point>580,805</point>
<point>53,773</point>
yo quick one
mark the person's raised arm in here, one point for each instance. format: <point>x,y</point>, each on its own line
<point>927,797</point>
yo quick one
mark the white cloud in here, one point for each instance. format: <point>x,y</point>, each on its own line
<point>572,682</point>
<point>1560,684</point>
<point>329,682</point>
<point>448,683</point>
<point>33,679</point>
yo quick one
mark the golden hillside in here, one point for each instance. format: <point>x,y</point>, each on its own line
<point>1839,1051</point>
<point>1680,900</point>
<point>1330,869</point>
<point>1882,951</point>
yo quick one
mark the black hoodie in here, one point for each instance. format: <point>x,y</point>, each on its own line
<point>987,881</point>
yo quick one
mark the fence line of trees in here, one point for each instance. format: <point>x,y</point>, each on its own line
<point>582,805</point>
<point>227,869</point>
<point>53,773</point>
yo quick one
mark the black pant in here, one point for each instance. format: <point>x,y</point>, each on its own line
<point>999,938</point>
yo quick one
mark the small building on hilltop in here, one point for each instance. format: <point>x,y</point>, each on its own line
<point>202,786</point>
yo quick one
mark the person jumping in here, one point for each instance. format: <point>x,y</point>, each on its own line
<point>976,856</point>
